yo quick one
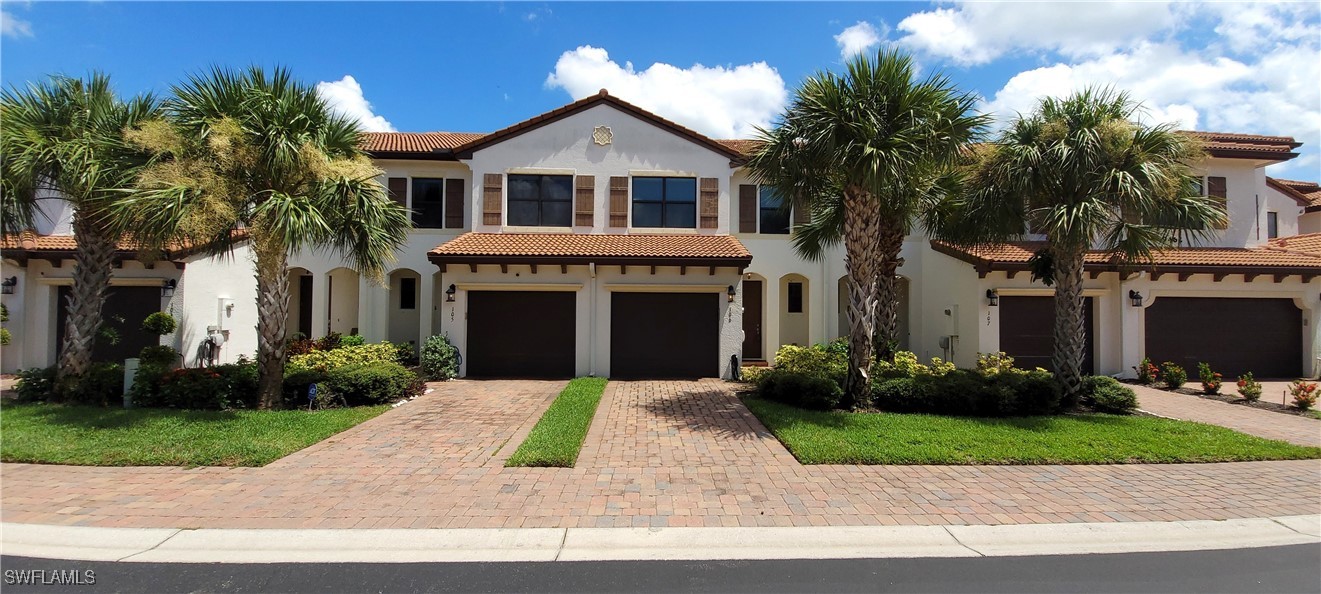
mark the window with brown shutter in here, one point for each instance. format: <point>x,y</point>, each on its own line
<point>802,214</point>
<point>454,203</point>
<point>708,208</point>
<point>1216,190</point>
<point>583,200</point>
<point>747,208</point>
<point>492,196</point>
<point>618,201</point>
<point>398,189</point>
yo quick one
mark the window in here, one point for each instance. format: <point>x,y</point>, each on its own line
<point>665,202</point>
<point>541,200</point>
<point>795,297</point>
<point>407,293</point>
<point>1199,188</point>
<point>1272,225</point>
<point>428,203</point>
<point>772,218</point>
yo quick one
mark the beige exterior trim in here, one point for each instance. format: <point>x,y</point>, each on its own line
<point>631,288</point>
<point>1025,292</point>
<point>540,171</point>
<point>519,286</point>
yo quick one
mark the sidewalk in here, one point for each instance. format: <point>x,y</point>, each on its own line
<point>1262,423</point>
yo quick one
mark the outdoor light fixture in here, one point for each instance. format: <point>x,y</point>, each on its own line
<point>167,289</point>
<point>449,294</point>
<point>992,297</point>
<point>1135,298</point>
<point>731,293</point>
<point>7,285</point>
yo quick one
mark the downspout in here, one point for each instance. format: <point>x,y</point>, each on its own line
<point>591,328</point>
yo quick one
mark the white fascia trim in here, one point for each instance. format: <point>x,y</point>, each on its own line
<point>519,286</point>
<point>653,288</point>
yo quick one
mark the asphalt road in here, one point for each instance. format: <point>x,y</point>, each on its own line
<point>1276,569</point>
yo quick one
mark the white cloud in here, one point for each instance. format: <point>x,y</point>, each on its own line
<point>973,33</point>
<point>14,27</point>
<point>345,97</point>
<point>719,101</point>
<point>859,38</point>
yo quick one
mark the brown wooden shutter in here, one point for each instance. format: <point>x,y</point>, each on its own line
<point>708,210</point>
<point>1216,190</point>
<point>398,188</point>
<point>747,208</point>
<point>802,214</point>
<point>584,200</point>
<point>493,186</point>
<point>618,201</point>
<point>454,203</point>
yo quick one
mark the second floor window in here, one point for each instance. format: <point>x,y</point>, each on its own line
<point>428,203</point>
<point>540,200</point>
<point>665,202</point>
<point>772,217</point>
<point>1272,225</point>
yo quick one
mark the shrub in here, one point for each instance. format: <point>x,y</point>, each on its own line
<point>367,384</point>
<point>146,390</point>
<point>159,323</point>
<point>969,393</point>
<point>102,384</point>
<point>296,383</point>
<point>158,355</point>
<point>440,359</point>
<point>1147,372</point>
<point>1173,375</point>
<point>193,388</point>
<point>326,360</point>
<point>819,360</point>
<point>752,375</point>
<point>406,354</point>
<point>799,389</point>
<point>1211,380</point>
<point>35,384</point>
<point>330,342</point>
<point>353,340</point>
<point>1106,394</point>
<point>897,394</point>
<point>240,380</point>
<point>993,363</point>
<point>299,346</point>
<point>1248,387</point>
<point>1304,394</point>
<point>1039,393</point>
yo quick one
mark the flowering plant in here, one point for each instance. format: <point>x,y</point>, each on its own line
<point>1147,372</point>
<point>1304,394</point>
<point>1211,380</point>
<point>1175,377</point>
<point>1249,388</point>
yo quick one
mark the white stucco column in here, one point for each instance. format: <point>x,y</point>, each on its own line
<point>320,304</point>
<point>1132,328</point>
<point>427,307</point>
<point>373,310</point>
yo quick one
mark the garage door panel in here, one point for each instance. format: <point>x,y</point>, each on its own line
<point>521,334</point>
<point>122,312</point>
<point>1027,331</point>
<point>1233,335</point>
<point>664,335</point>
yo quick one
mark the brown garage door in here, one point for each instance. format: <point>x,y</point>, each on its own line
<point>1027,331</point>
<point>122,314</point>
<point>520,334</point>
<point>1234,336</point>
<point>664,335</point>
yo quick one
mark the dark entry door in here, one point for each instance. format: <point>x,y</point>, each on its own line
<point>1232,335</point>
<point>1027,332</point>
<point>752,303</point>
<point>305,305</point>
<point>121,335</point>
<point>521,334</point>
<point>664,335</point>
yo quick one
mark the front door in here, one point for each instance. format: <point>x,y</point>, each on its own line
<point>752,320</point>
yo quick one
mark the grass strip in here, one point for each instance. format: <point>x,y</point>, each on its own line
<point>558,436</point>
<point>94,436</point>
<point>816,437</point>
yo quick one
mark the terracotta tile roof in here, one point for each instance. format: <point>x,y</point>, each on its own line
<point>1304,192</point>
<point>744,147</point>
<point>1248,146</point>
<point>1309,244</point>
<point>415,142</point>
<point>512,248</point>
<point>1014,256</point>
<point>29,244</point>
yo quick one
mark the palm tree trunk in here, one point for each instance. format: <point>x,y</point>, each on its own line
<point>94,260</point>
<point>1069,328</point>
<point>861,227</point>
<point>887,298</point>
<point>273,313</point>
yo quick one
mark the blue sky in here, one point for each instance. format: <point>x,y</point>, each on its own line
<point>718,67</point>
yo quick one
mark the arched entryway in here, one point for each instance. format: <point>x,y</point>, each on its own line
<point>299,322</point>
<point>405,307</point>
<point>342,307</point>
<point>795,327</point>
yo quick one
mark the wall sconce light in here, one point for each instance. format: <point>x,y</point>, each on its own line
<point>167,288</point>
<point>449,294</point>
<point>7,285</point>
<point>731,292</point>
<point>992,297</point>
<point>1135,298</point>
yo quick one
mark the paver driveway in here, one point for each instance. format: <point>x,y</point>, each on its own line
<point>658,454</point>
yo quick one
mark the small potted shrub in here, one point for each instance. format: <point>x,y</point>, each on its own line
<point>1211,381</point>
<point>1249,388</point>
<point>159,323</point>
<point>1173,375</point>
<point>1304,394</point>
<point>1147,372</point>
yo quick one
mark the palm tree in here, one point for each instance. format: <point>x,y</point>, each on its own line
<point>63,139</point>
<point>1084,173</point>
<point>865,150</point>
<point>256,157</point>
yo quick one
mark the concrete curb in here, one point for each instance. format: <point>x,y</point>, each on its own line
<point>617,544</point>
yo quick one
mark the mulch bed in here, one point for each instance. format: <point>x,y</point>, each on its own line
<point>1234,398</point>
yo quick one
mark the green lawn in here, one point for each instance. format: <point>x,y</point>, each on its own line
<point>887,438</point>
<point>54,434</point>
<point>558,436</point>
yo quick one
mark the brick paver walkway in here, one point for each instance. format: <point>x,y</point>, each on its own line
<point>1263,423</point>
<point>658,454</point>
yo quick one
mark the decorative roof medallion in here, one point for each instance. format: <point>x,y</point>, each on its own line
<point>602,135</point>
